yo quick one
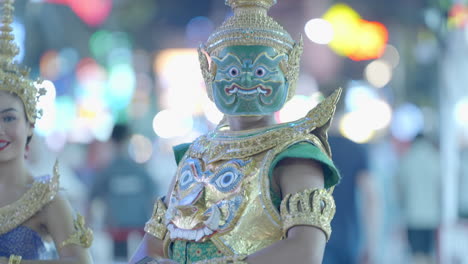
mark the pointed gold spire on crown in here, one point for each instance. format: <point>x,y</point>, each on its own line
<point>8,49</point>
<point>14,78</point>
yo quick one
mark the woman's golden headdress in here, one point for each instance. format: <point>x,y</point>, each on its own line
<point>250,25</point>
<point>13,77</point>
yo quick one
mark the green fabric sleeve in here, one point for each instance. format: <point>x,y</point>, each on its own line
<point>179,151</point>
<point>306,150</point>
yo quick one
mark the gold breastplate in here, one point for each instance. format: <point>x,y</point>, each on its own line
<point>222,189</point>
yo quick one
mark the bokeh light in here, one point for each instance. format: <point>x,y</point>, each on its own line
<point>391,56</point>
<point>212,113</point>
<point>319,31</point>
<point>354,37</point>
<point>172,123</point>
<point>121,86</point>
<point>68,59</point>
<point>461,112</point>
<point>46,123</point>
<point>378,73</point>
<point>181,82</point>
<point>408,121</point>
<point>140,148</point>
<point>358,95</point>
<point>91,78</point>
<point>377,113</point>
<point>49,65</point>
<point>356,127</point>
<point>295,108</point>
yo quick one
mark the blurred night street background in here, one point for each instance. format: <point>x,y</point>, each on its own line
<point>403,65</point>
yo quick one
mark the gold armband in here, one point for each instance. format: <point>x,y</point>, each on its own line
<point>313,207</point>
<point>83,236</point>
<point>14,259</point>
<point>155,226</point>
<point>236,259</point>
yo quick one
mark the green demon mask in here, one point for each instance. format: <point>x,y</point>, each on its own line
<point>249,80</point>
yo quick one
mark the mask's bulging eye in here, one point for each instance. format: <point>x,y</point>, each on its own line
<point>186,179</point>
<point>227,179</point>
<point>260,71</point>
<point>233,71</point>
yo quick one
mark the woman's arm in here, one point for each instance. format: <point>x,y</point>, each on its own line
<point>304,244</point>
<point>60,223</point>
<point>58,219</point>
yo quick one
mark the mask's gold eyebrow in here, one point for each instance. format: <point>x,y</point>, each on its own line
<point>265,55</point>
<point>8,110</point>
<point>228,55</point>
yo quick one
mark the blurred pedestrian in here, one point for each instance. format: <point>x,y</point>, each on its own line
<point>127,190</point>
<point>419,187</point>
<point>356,220</point>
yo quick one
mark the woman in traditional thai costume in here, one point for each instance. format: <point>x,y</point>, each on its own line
<point>32,211</point>
<point>251,191</point>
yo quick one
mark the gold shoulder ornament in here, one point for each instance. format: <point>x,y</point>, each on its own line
<point>155,226</point>
<point>312,207</point>
<point>83,236</point>
<point>225,144</point>
<point>41,193</point>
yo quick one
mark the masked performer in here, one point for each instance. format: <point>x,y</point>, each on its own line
<point>251,191</point>
<point>32,211</point>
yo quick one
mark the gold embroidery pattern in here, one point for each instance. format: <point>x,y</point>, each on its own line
<point>155,226</point>
<point>83,236</point>
<point>313,207</point>
<point>40,194</point>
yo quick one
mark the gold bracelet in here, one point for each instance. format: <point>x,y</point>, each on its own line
<point>83,236</point>
<point>312,207</point>
<point>14,259</point>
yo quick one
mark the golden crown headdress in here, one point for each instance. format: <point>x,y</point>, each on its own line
<point>250,25</point>
<point>13,77</point>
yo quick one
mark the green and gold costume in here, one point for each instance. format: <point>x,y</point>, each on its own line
<point>223,205</point>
